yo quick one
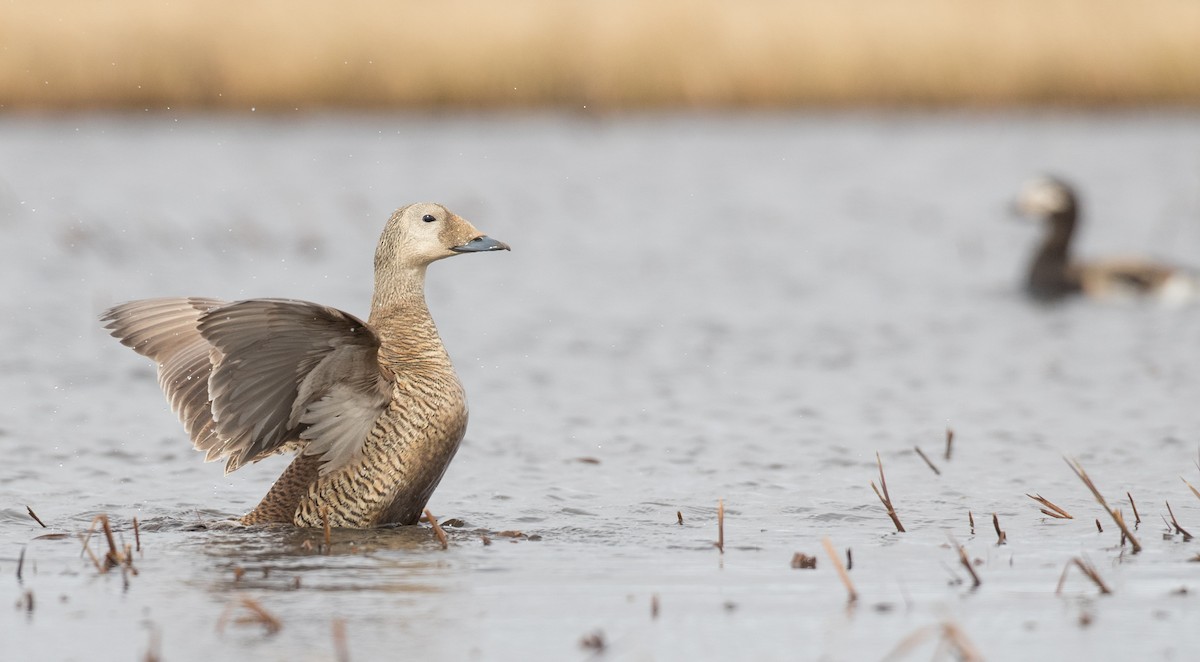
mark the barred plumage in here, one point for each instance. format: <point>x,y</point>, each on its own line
<point>373,408</point>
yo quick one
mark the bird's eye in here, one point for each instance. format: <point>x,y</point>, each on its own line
<point>428,218</point>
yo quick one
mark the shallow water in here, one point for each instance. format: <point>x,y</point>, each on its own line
<point>696,308</point>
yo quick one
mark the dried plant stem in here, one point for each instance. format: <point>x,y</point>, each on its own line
<point>920,452</point>
<point>258,614</point>
<point>971,519</point>
<point>1137,519</point>
<point>35,517</point>
<point>679,516</point>
<point>1054,511</point>
<point>966,563</point>
<point>1194,490</point>
<point>950,635</point>
<point>1001,536</point>
<point>1175,523</point>
<point>949,442</point>
<point>1088,570</point>
<point>137,535</point>
<point>1116,516</point>
<point>113,557</point>
<point>20,563</point>
<point>720,525</point>
<point>841,570</point>
<point>885,497</point>
<point>437,529</point>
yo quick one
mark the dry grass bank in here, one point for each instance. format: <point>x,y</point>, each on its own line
<point>606,53</point>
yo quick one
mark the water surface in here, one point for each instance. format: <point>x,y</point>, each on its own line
<point>696,308</point>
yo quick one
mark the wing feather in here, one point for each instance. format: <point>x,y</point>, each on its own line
<point>256,377</point>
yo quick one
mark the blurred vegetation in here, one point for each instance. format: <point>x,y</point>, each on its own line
<point>274,54</point>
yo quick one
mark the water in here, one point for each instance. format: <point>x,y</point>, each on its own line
<point>696,308</point>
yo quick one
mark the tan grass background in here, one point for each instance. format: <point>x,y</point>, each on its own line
<point>276,54</point>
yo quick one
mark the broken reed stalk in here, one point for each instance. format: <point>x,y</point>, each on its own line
<point>1088,570</point>
<point>920,452</point>
<point>950,636</point>
<point>1099,528</point>
<point>949,442</point>
<point>971,519</point>
<point>20,563</point>
<point>257,615</point>
<point>113,557</point>
<point>437,530</point>
<point>340,647</point>
<point>1055,511</point>
<point>1001,536</point>
<point>137,535</point>
<point>679,516</point>
<point>885,497</point>
<point>1174,522</point>
<point>966,563</point>
<point>841,570</point>
<point>1194,490</point>
<point>720,544</point>
<point>1116,516</point>
<point>35,517</point>
<point>1137,519</point>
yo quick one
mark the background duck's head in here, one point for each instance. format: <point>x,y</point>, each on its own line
<point>422,233</point>
<point>1045,197</point>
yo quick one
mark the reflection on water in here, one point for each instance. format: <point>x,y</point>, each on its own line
<point>696,308</point>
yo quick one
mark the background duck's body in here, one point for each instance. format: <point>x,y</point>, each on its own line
<point>1053,274</point>
<point>374,410</point>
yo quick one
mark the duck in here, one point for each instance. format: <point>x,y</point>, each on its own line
<point>1053,274</point>
<point>373,411</point>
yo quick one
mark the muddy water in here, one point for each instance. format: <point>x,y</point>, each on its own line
<point>696,308</point>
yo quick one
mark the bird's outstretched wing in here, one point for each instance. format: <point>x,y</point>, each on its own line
<point>255,377</point>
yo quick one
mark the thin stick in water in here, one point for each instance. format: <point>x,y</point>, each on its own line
<point>885,497</point>
<point>920,452</point>
<point>437,529</point>
<point>35,517</point>
<point>1194,490</point>
<point>137,536</point>
<point>1054,511</point>
<point>1174,522</point>
<point>1001,536</point>
<point>1078,469</point>
<point>966,563</point>
<point>841,570</point>
<point>971,519</point>
<point>949,442</point>
<point>258,614</point>
<point>1137,519</point>
<point>720,525</point>
<point>1088,570</point>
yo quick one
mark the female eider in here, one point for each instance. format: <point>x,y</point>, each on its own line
<point>1054,275</point>
<point>373,410</point>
